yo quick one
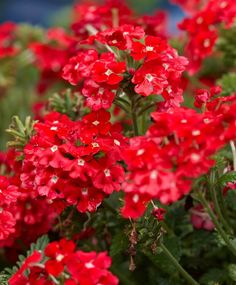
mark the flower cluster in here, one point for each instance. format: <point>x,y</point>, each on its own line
<point>6,40</point>
<point>202,29</point>
<point>114,13</point>
<point>61,260</point>
<point>147,62</point>
<point>22,215</point>
<point>190,6</point>
<point>163,163</point>
<point>76,162</point>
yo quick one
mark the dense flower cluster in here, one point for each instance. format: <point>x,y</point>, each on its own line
<point>163,163</point>
<point>118,128</point>
<point>7,39</point>
<point>76,162</point>
<point>146,61</point>
<point>63,261</point>
<point>22,215</point>
<point>202,29</point>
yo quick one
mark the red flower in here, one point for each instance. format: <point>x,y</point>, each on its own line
<point>97,96</point>
<point>159,213</point>
<point>79,66</point>
<point>91,268</point>
<point>107,70</point>
<point>200,218</point>
<point>7,224</point>
<point>151,48</point>
<point>18,278</point>
<point>58,252</point>
<point>150,78</point>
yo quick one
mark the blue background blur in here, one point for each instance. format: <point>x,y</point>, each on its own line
<point>44,12</point>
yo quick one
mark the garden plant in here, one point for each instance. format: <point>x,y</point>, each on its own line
<point>118,163</point>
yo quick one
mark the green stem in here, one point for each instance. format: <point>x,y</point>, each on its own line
<point>225,210</point>
<point>213,193</point>
<point>146,108</point>
<point>135,124</point>
<point>121,106</point>
<point>217,224</point>
<point>181,270</point>
<point>134,117</point>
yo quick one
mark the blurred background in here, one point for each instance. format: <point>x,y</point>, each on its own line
<point>52,12</point>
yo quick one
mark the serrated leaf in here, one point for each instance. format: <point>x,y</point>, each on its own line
<point>119,244</point>
<point>4,278</point>
<point>39,245</point>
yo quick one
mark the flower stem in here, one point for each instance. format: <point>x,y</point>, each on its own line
<point>135,124</point>
<point>232,145</point>
<point>181,270</point>
<point>217,224</point>
<point>218,211</point>
<point>134,117</point>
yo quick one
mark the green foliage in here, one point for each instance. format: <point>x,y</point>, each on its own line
<point>68,103</point>
<point>214,276</point>
<point>232,271</point>
<point>227,177</point>
<point>21,132</point>
<point>228,83</point>
<point>119,244</point>
<point>39,245</point>
<point>4,278</point>
<point>226,44</point>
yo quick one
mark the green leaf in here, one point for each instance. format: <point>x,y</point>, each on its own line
<point>214,276</point>
<point>232,271</point>
<point>39,245</point>
<point>227,177</point>
<point>228,83</point>
<point>161,260</point>
<point>119,244</point>
<point>4,278</point>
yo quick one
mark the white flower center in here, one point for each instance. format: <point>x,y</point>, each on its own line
<point>77,66</point>
<point>84,191</point>
<point>54,128</point>
<point>148,48</point>
<point>59,257</point>
<point>89,265</point>
<point>154,174</point>
<point>149,77</point>
<point>206,43</point>
<point>95,123</point>
<point>195,157</point>
<point>95,144</point>
<point>81,162</point>
<point>140,151</point>
<point>108,72</point>
<point>136,198</point>
<point>107,172</point>
<point>199,20</point>
<point>54,148</point>
<point>196,133</point>
<point>116,142</point>
<point>54,179</point>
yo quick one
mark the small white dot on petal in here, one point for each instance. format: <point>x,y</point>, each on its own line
<point>54,148</point>
<point>136,198</point>
<point>89,265</point>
